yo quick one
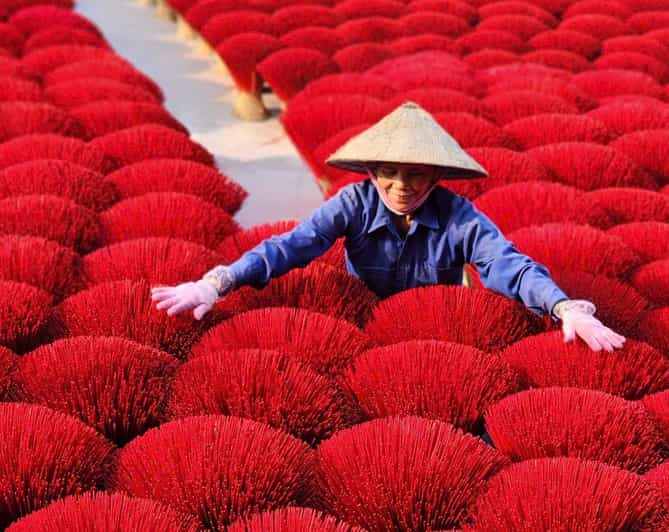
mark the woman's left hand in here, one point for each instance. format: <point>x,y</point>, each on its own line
<point>576,321</point>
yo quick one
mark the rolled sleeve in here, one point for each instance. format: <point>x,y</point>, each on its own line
<point>297,248</point>
<point>503,268</point>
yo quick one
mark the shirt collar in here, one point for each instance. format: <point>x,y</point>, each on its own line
<point>427,214</point>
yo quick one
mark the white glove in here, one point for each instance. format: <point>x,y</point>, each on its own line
<point>199,295</point>
<point>577,319</point>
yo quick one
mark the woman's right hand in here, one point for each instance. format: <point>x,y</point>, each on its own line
<point>199,295</point>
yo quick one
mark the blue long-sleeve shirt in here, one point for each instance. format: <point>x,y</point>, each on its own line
<point>446,232</point>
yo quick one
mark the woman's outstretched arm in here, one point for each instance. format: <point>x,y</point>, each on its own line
<point>506,270</point>
<point>297,248</point>
<point>501,266</point>
<point>271,258</point>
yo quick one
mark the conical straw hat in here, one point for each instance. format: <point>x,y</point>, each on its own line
<point>407,135</point>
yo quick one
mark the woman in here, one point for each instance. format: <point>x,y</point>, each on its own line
<point>401,231</point>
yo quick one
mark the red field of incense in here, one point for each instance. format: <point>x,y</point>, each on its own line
<point>310,404</point>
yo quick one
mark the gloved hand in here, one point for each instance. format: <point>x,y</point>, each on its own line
<point>578,319</point>
<point>200,295</point>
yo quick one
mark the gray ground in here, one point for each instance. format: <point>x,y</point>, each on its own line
<point>258,155</point>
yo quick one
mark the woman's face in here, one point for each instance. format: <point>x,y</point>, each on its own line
<point>404,183</point>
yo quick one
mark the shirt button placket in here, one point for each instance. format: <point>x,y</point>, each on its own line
<point>401,269</point>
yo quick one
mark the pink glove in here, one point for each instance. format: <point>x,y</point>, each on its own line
<point>200,295</point>
<point>577,319</point>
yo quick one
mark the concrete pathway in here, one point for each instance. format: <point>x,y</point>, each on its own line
<point>258,155</point>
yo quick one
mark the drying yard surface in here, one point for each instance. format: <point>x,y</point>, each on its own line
<point>259,156</point>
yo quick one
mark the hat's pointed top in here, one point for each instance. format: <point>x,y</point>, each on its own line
<point>409,134</point>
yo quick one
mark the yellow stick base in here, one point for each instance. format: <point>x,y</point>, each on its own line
<point>249,107</point>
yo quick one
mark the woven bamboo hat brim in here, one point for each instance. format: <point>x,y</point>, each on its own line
<point>407,135</point>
